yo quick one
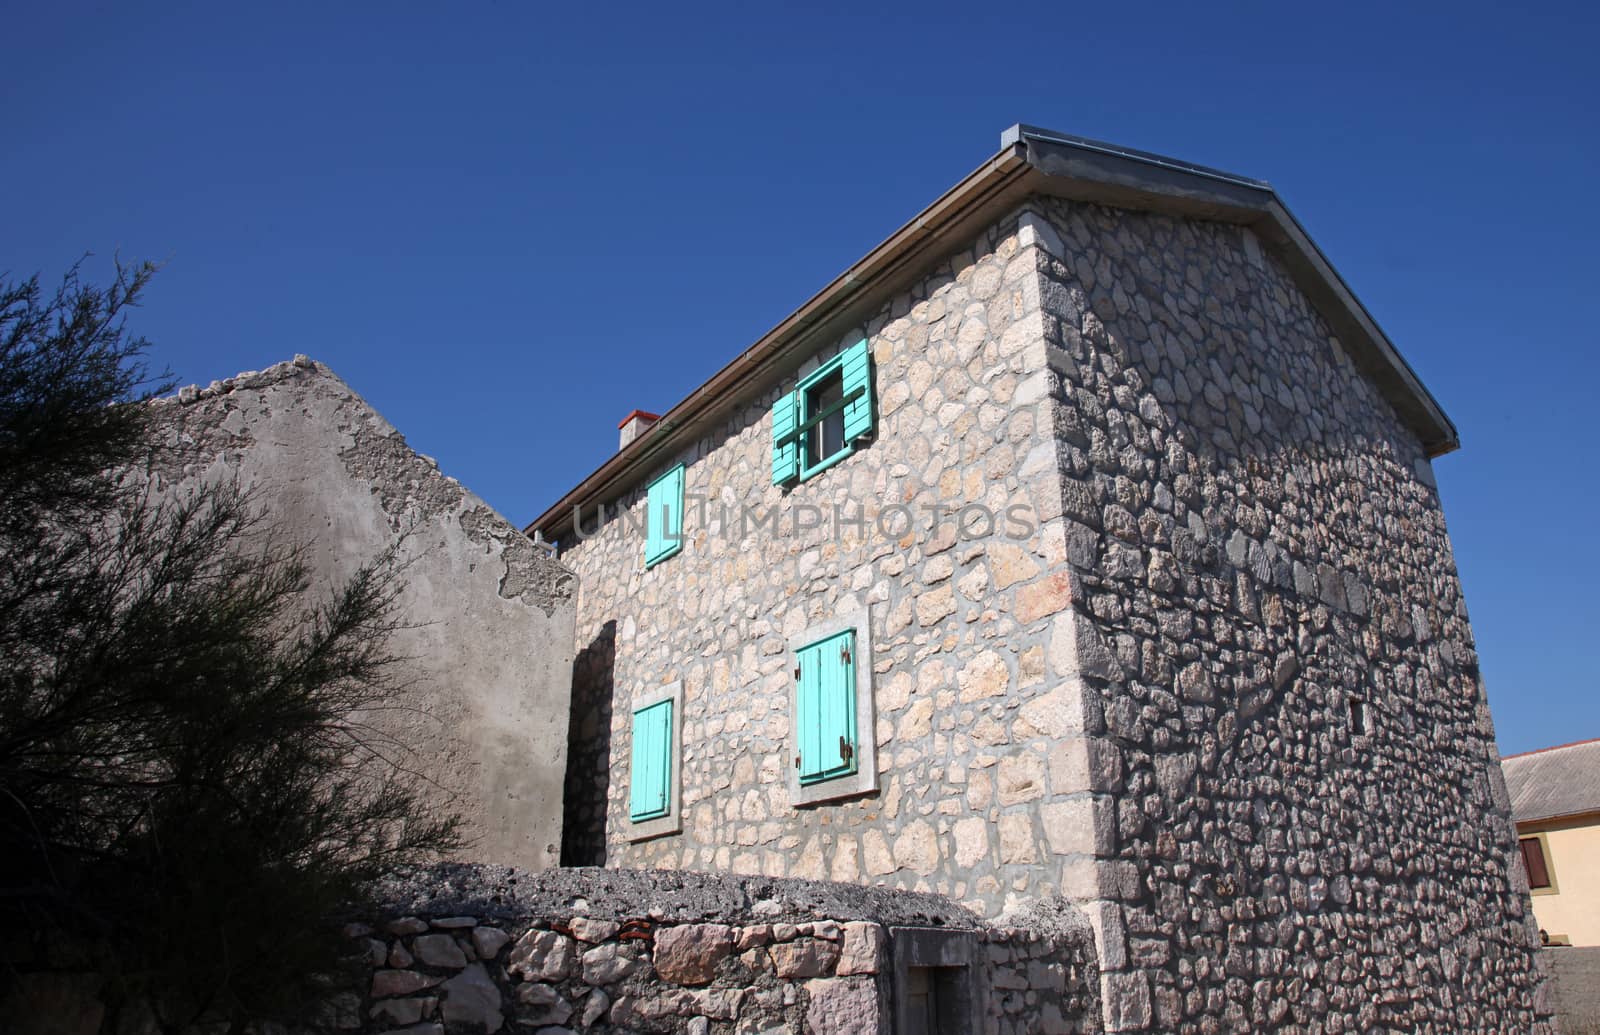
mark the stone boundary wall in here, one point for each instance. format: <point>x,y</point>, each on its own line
<point>1577,988</point>
<point>616,951</point>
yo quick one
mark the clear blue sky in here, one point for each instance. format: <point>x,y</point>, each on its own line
<point>507,224</point>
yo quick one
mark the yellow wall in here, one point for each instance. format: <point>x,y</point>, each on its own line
<point>1572,853</point>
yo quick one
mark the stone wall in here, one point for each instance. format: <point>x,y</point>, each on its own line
<point>487,616</point>
<point>478,950</point>
<point>1260,571</point>
<point>974,799</point>
<point>1224,694</point>
<point>1577,988</point>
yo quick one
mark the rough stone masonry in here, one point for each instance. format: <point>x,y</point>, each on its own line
<point>1220,690</point>
<point>488,950</point>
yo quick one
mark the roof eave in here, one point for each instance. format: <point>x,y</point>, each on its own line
<point>1087,170</point>
<point>1029,161</point>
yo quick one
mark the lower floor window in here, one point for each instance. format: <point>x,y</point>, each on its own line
<point>654,786</point>
<point>831,717</point>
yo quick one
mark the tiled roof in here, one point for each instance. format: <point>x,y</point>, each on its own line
<point>1556,781</point>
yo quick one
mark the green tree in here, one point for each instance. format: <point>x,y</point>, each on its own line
<point>186,790</point>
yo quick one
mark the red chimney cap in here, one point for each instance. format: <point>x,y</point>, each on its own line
<point>637,413</point>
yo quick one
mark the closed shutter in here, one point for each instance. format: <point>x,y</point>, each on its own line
<point>857,370</point>
<point>663,519</point>
<point>785,448</point>
<point>827,703</point>
<point>1533,862</point>
<point>650,791</point>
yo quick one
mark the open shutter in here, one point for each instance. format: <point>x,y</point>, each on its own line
<point>651,778</point>
<point>827,720</point>
<point>1533,862</point>
<point>663,519</point>
<point>857,370</point>
<point>785,455</point>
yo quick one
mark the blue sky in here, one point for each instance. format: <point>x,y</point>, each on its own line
<point>508,224</point>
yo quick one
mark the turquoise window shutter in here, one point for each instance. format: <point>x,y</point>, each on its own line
<point>785,448</point>
<point>663,521</point>
<point>650,790</point>
<point>857,370</point>
<point>827,701</point>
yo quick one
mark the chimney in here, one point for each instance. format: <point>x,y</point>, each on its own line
<point>635,424</point>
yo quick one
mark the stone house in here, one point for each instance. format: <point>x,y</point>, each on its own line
<point>1080,540</point>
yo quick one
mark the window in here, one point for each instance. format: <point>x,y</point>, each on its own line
<point>832,750</point>
<point>821,421</point>
<point>1360,719</point>
<point>663,520</point>
<point>825,401</point>
<point>652,750</point>
<point>653,783</point>
<point>1535,865</point>
<point>827,743</point>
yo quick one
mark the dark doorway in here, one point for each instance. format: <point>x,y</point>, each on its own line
<point>583,822</point>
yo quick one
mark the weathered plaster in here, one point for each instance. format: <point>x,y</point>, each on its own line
<point>487,616</point>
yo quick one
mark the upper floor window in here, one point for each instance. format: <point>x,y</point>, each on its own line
<point>819,423</point>
<point>663,519</point>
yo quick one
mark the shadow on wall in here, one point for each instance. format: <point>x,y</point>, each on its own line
<point>583,828</point>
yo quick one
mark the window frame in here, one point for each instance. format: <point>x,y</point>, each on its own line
<point>672,821</point>
<point>864,780</point>
<point>795,420</point>
<point>803,391</point>
<point>1539,838</point>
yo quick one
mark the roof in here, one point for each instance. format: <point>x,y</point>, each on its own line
<point>1030,161</point>
<point>1554,781</point>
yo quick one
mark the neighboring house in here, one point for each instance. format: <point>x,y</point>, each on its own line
<point>1082,539</point>
<point>487,616</point>
<point>1555,800</point>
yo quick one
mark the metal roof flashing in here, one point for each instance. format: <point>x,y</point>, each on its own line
<point>1030,161</point>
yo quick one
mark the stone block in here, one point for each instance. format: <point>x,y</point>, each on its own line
<point>604,965</point>
<point>488,941</point>
<point>543,956</point>
<point>842,1006</point>
<point>805,958</point>
<point>593,931</point>
<point>471,1001</point>
<point>438,950</point>
<point>862,951</point>
<point>386,983</point>
<point>688,954</point>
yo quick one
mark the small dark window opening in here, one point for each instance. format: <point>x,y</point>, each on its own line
<point>934,1003</point>
<point>1533,862</point>
<point>1360,719</point>
<point>827,438</point>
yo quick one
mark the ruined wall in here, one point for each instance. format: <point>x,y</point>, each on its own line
<point>473,949</point>
<point>488,617</point>
<point>974,800</point>
<point>1255,543</point>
